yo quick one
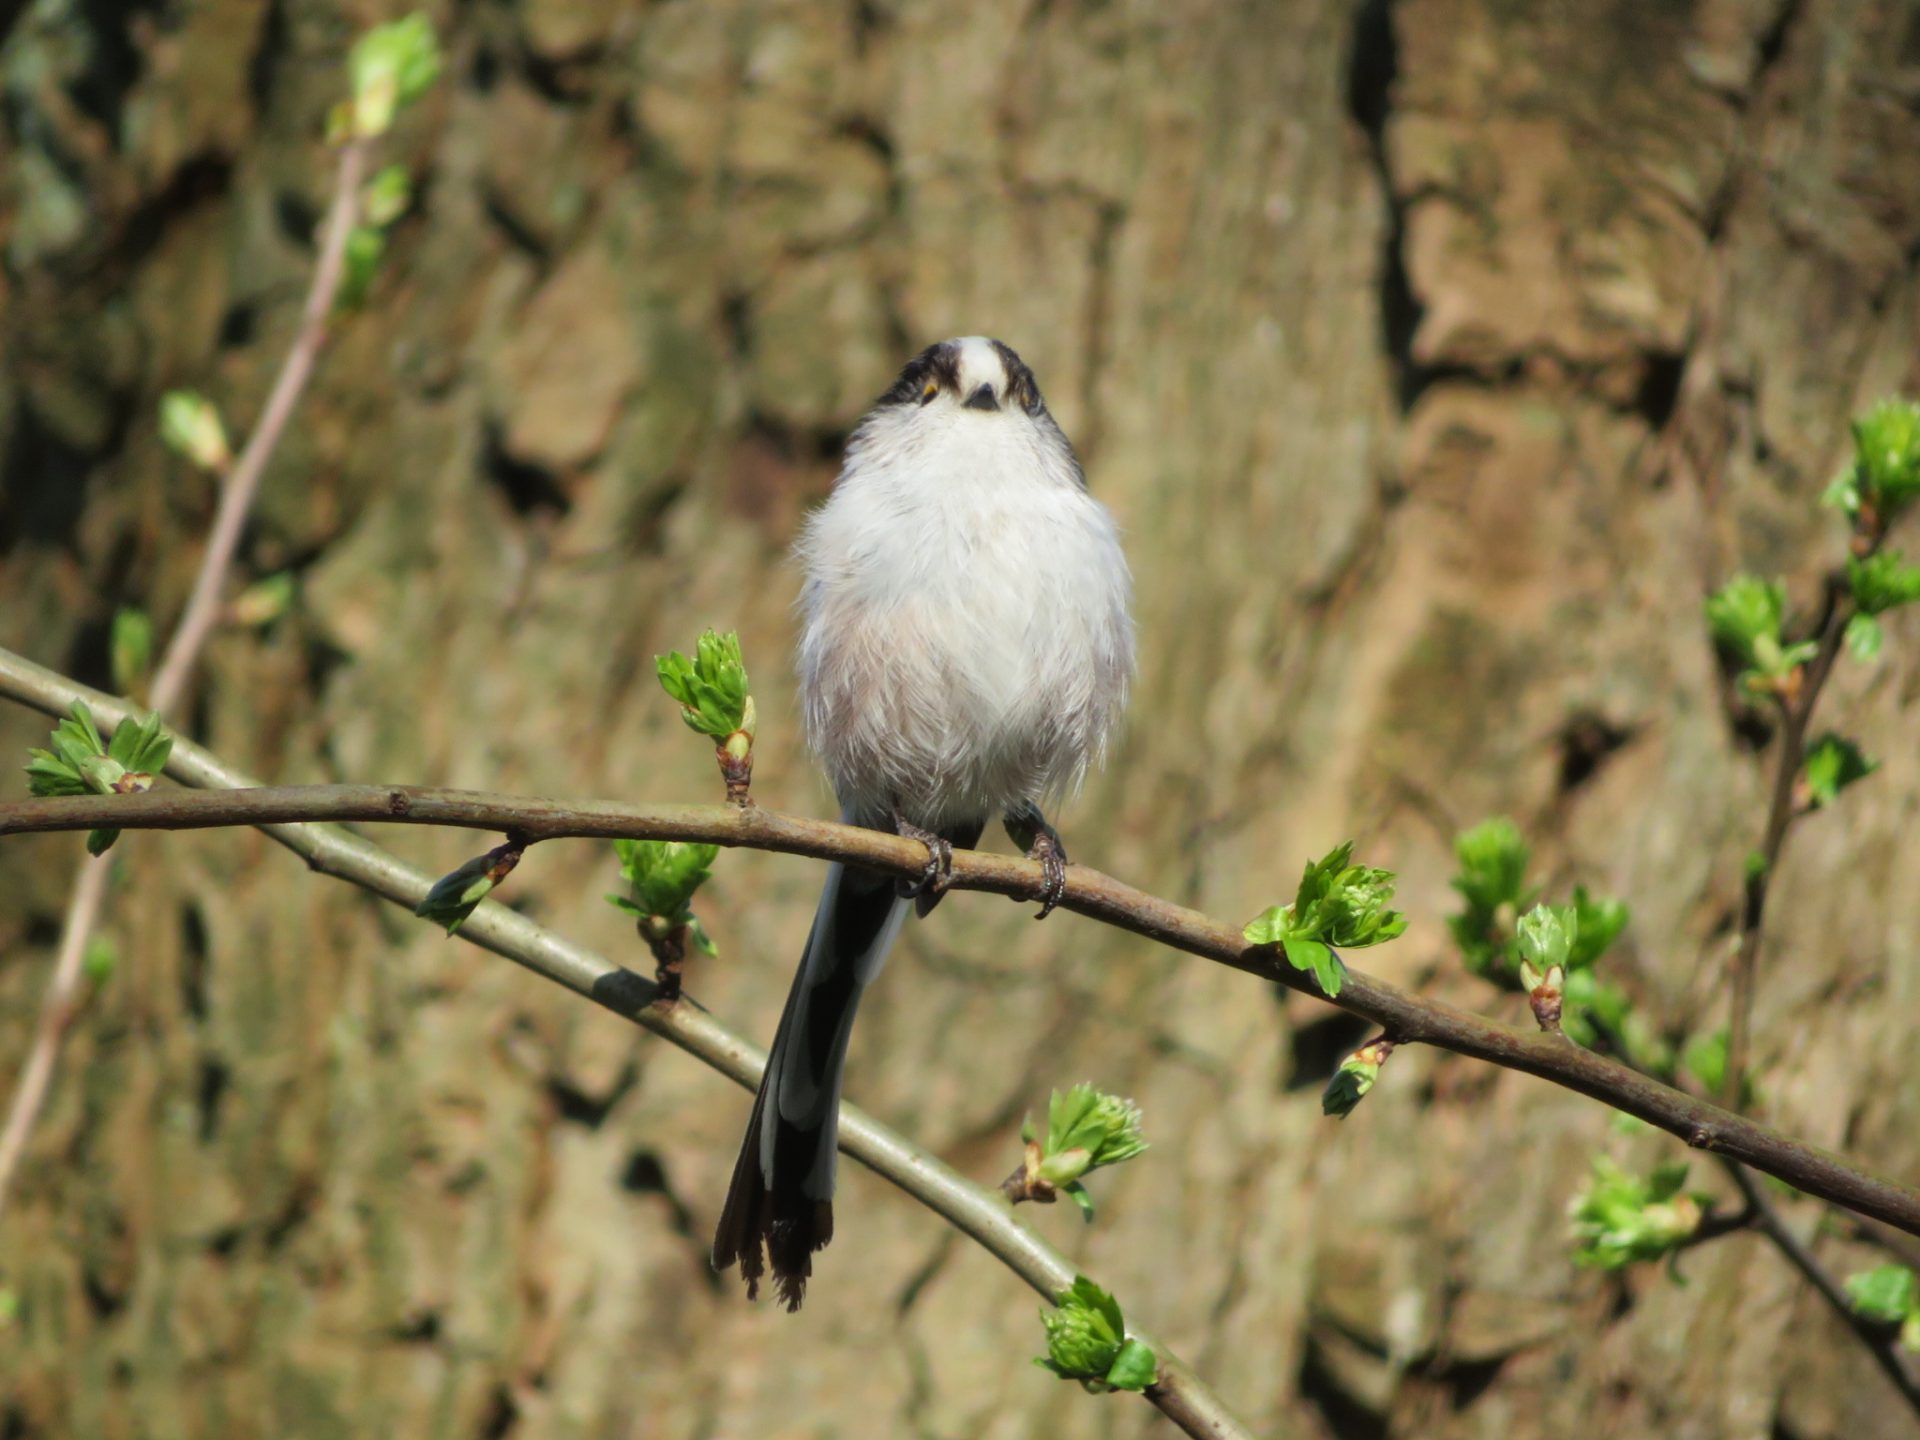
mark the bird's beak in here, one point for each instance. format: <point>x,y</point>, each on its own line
<point>982,399</point>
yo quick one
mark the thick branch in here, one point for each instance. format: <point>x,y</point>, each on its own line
<point>1403,1015</point>
<point>1179,1393</point>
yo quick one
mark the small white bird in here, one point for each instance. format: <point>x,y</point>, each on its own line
<point>966,650</point>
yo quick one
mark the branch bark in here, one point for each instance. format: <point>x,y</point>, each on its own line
<point>982,1214</point>
<point>183,649</point>
<point>1401,1014</point>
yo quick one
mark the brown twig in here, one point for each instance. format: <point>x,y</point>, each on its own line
<point>1408,1017</point>
<point>1178,1393</point>
<point>183,649</point>
<point>1881,1341</point>
<point>1796,715</point>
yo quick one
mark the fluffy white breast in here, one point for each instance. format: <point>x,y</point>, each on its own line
<point>966,642</point>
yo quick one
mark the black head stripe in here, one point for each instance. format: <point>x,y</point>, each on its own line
<point>1022,389</point>
<point>939,363</point>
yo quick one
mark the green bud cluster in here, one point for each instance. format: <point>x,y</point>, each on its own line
<point>1621,1218</point>
<point>80,763</point>
<point>1338,906</point>
<point>1086,1130</point>
<point>1087,1341</point>
<point>662,876</point>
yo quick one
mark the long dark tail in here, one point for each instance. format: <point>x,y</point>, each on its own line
<point>782,1191</point>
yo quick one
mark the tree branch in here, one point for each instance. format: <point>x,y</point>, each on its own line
<point>1179,1393</point>
<point>1405,1016</point>
<point>1797,715</point>
<point>183,649</point>
<point>1881,1340</point>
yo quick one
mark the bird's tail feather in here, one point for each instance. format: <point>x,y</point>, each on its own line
<point>781,1196</point>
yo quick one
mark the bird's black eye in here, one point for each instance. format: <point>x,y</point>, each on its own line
<point>928,391</point>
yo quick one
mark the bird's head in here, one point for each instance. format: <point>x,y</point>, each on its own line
<point>972,373</point>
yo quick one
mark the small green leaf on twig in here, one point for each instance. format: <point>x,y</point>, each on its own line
<point>1888,1295</point>
<point>80,763</point>
<point>1492,880</point>
<point>190,426</point>
<point>365,247</point>
<point>712,687</point>
<point>1886,464</point>
<point>1087,1129</point>
<point>715,700</point>
<point>1833,763</point>
<point>100,959</point>
<point>1745,617</point>
<point>1882,581</point>
<point>130,647</point>
<point>1349,1084</point>
<point>264,601</point>
<point>1338,906</point>
<point>391,66</point>
<point>662,876</point>
<point>458,893</point>
<point>1087,1341</point>
<point>386,196</point>
<point>1621,1218</point>
<point>1863,636</point>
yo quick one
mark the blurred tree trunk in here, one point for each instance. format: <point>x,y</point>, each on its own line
<point>1435,354</point>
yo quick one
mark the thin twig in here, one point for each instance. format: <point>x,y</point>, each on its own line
<point>1882,1341</point>
<point>1797,715</point>
<point>1398,1012</point>
<point>183,649</point>
<point>1179,1393</point>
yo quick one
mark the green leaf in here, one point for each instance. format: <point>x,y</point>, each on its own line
<point>1597,924</point>
<point>1843,493</point>
<point>266,600</point>
<point>1087,1341</point>
<point>190,426</point>
<point>1492,880</point>
<point>1833,763</point>
<point>100,959</point>
<point>1493,865</point>
<point>1134,1369</point>
<point>1621,1218</point>
<point>386,196</point>
<point>1337,904</point>
<point>711,688</point>
<point>1887,1294</point>
<point>1546,934</point>
<point>663,875</point>
<point>130,647</point>
<point>1326,967</point>
<point>1886,446</point>
<point>1882,581</point>
<point>1350,1084</point>
<point>1077,1193</point>
<point>101,841</point>
<point>1863,636</point>
<point>1705,1058</point>
<point>1745,616</point>
<point>1104,1127</point>
<point>391,66</point>
<point>458,893</point>
<point>365,246</point>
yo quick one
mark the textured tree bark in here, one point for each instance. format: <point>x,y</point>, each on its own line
<point>1435,354</point>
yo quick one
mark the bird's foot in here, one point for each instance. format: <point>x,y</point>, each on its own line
<point>1030,831</point>
<point>1052,858</point>
<point>938,874</point>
